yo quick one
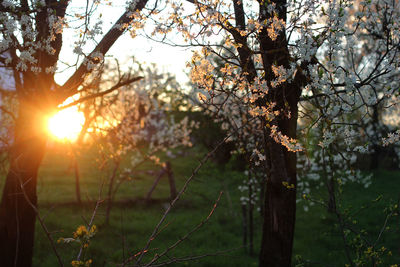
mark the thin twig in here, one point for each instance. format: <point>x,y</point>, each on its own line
<point>191,258</point>
<point>194,172</point>
<point>99,200</point>
<point>158,256</point>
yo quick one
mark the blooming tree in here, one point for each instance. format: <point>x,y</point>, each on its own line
<point>338,59</point>
<point>354,91</point>
<point>137,122</point>
<point>30,45</point>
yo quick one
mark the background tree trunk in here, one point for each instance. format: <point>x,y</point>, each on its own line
<point>17,217</point>
<point>110,190</point>
<point>77,175</point>
<point>171,180</point>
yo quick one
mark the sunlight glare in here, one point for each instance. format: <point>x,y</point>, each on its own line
<point>66,124</point>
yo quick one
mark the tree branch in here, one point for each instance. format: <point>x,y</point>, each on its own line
<point>115,87</point>
<point>71,85</point>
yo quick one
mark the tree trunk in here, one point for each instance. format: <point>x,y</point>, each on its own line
<point>251,216</point>
<point>244,219</point>
<point>281,182</point>
<point>17,217</point>
<point>77,176</point>
<point>153,187</point>
<point>110,190</point>
<point>279,209</point>
<point>171,181</point>
<point>74,147</point>
<point>331,195</point>
<point>376,148</point>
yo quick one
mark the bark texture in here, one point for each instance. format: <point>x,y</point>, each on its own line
<point>17,223</point>
<point>279,205</point>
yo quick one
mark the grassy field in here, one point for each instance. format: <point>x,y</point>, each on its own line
<point>317,238</point>
<point>132,220</point>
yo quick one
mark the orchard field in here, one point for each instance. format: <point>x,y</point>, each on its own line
<point>219,241</point>
<point>148,133</point>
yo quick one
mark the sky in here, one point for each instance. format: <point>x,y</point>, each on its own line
<point>168,58</point>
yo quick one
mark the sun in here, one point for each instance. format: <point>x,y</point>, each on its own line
<point>66,124</point>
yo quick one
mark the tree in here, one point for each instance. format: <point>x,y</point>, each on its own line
<point>287,52</point>
<point>141,123</point>
<point>346,120</point>
<point>32,34</point>
<point>259,69</point>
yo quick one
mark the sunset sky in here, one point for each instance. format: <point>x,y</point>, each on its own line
<point>167,58</point>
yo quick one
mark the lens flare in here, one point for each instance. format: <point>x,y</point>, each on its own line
<point>66,124</point>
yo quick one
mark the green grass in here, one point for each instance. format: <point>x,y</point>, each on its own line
<point>317,238</point>
<point>132,220</point>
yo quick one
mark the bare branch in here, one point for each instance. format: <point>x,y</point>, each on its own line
<point>191,258</point>
<point>12,115</point>
<point>115,87</point>
<point>71,85</point>
<point>89,225</point>
<point>158,256</point>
